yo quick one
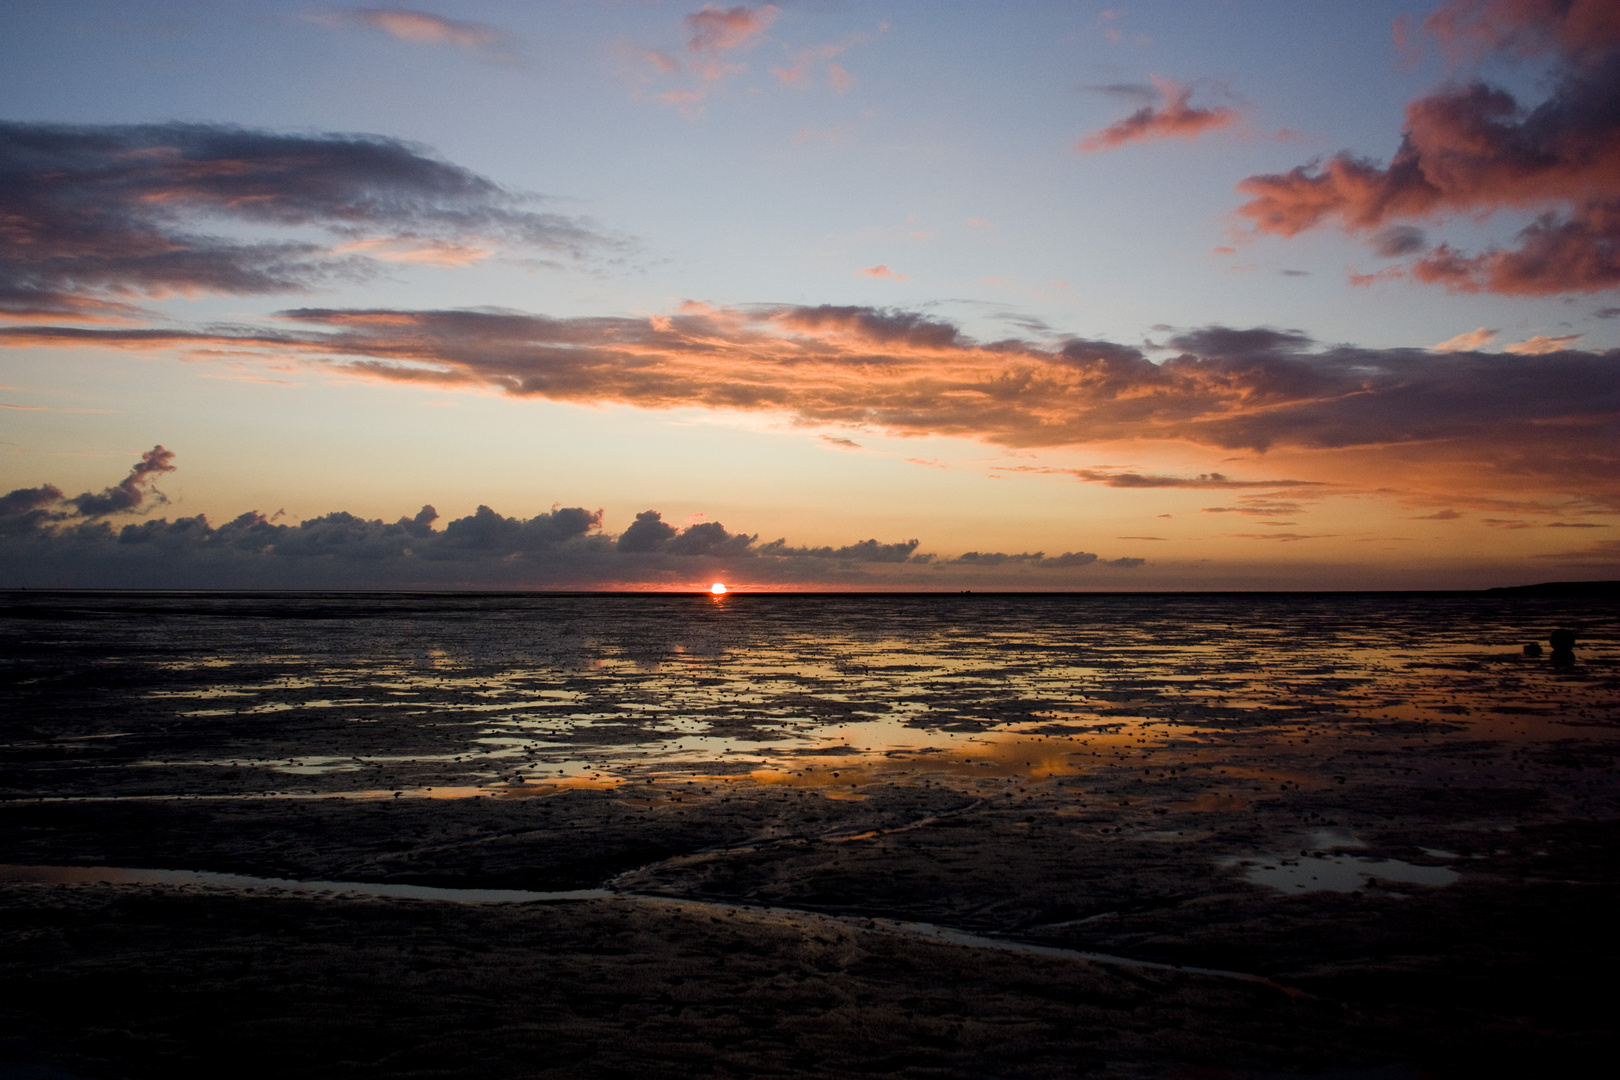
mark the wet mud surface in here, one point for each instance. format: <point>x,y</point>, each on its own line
<point>823,836</point>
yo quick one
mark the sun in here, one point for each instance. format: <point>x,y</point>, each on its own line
<point>718,588</point>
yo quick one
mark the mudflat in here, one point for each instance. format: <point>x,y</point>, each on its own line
<point>997,838</point>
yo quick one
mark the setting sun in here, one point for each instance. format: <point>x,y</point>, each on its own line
<point>718,588</point>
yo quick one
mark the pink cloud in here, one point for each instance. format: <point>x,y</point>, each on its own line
<point>417,27</point>
<point>1173,118</point>
<point>1474,150</point>
<point>881,270</point>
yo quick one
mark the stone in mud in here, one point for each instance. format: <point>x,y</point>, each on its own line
<point>1563,647</point>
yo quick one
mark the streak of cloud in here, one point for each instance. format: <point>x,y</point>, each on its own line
<point>1541,344</point>
<point>416,27</point>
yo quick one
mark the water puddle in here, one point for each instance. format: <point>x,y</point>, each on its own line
<point>1322,866</point>
<point>1339,873</point>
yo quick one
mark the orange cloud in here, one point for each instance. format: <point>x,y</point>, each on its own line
<point>881,270</point>
<point>1457,422</point>
<point>1174,118</point>
<point>1473,339</point>
<point>1541,344</point>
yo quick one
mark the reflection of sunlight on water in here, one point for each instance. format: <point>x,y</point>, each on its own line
<point>1257,698</point>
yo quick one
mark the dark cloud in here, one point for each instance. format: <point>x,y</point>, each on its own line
<point>874,551</point>
<point>46,540</point>
<point>1473,150</point>
<point>997,558</point>
<point>1439,515</point>
<point>1143,92</point>
<point>1398,240</point>
<point>1202,480</point>
<point>92,216</point>
<point>647,533</point>
<point>1607,313</point>
<point>25,511</point>
<point>130,492</point>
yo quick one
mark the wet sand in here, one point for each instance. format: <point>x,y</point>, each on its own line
<point>1384,866</point>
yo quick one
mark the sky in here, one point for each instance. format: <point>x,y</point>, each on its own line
<point>822,295</point>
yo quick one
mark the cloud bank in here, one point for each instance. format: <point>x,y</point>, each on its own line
<point>48,541</point>
<point>93,218</point>
<point>1553,414</point>
<point>1474,150</point>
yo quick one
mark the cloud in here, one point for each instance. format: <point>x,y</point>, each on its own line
<point>713,33</point>
<point>131,492</point>
<point>1257,509</point>
<point>840,442</point>
<point>1068,560</point>
<point>1470,341</point>
<point>94,216</point>
<point>715,29</point>
<point>1472,150</point>
<point>26,510</point>
<point>417,27</point>
<point>1173,118</point>
<point>1440,515</point>
<point>1398,240</point>
<point>881,270</point>
<point>47,540</point>
<point>1554,416</point>
<point>1202,480</point>
<point>800,61</point>
<point>1541,344</point>
<point>1605,553</point>
<point>1470,29</point>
